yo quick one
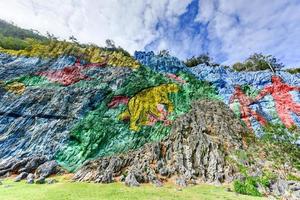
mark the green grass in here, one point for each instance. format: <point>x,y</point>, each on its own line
<point>66,190</point>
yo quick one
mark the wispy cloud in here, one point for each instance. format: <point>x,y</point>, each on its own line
<point>230,30</point>
<point>241,27</point>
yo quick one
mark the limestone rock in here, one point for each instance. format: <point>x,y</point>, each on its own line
<point>33,164</point>
<point>51,181</point>
<point>195,149</point>
<point>30,178</point>
<point>40,180</point>
<point>131,180</point>
<point>21,176</point>
<point>182,182</point>
<point>47,169</point>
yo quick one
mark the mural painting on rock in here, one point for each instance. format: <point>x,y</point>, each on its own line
<point>274,99</point>
<point>284,103</point>
<point>70,74</point>
<point>245,110</point>
<point>148,106</point>
<point>74,112</point>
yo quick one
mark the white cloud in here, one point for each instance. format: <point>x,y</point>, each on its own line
<point>234,28</point>
<point>130,23</point>
<point>243,27</point>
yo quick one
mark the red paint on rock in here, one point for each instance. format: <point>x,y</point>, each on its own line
<point>176,78</point>
<point>246,111</point>
<point>117,100</point>
<point>284,103</point>
<point>70,74</point>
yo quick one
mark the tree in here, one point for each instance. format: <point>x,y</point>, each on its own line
<point>73,39</point>
<point>258,62</point>
<point>110,44</point>
<point>164,52</point>
<point>201,59</point>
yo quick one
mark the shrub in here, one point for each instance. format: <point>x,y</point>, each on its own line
<point>12,43</point>
<point>10,30</point>
<point>247,187</point>
<point>292,177</point>
<point>281,144</point>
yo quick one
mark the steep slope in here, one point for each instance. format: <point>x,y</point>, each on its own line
<point>103,113</point>
<point>194,151</point>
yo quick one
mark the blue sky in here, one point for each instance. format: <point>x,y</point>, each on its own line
<point>229,30</point>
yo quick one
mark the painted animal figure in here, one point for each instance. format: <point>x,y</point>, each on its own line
<point>284,102</point>
<point>246,111</point>
<point>147,104</point>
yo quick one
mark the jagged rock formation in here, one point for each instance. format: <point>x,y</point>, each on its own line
<point>38,167</point>
<point>195,150</point>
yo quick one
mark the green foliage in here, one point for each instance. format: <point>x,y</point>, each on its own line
<point>281,144</point>
<point>15,38</point>
<point>10,30</point>
<point>258,62</point>
<point>294,71</point>
<point>12,43</point>
<point>292,177</point>
<point>201,59</point>
<point>247,187</point>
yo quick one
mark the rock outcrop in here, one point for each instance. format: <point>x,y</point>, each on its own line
<point>194,151</point>
<point>30,168</point>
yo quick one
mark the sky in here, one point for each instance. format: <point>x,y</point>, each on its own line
<point>229,30</point>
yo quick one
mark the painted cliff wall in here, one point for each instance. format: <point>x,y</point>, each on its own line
<point>74,109</point>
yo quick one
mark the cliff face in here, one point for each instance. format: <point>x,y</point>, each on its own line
<point>72,104</point>
<point>72,110</point>
<point>195,150</point>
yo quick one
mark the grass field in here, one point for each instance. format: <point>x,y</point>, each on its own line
<point>66,190</point>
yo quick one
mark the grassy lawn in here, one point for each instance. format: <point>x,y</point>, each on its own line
<point>66,190</point>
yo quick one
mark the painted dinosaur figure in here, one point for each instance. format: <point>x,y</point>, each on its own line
<point>284,103</point>
<point>246,111</point>
<point>149,106</point>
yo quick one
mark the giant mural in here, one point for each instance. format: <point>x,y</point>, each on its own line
<point>74,109</point>
<point>262,97</point>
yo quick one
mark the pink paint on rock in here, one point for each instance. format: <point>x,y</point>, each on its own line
<point>117,100</point>
<point>176,78</point>
<point>70,74</point>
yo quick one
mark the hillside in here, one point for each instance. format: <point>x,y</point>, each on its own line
<point>106,115</point>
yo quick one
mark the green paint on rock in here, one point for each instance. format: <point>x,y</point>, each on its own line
<point>100,133</point>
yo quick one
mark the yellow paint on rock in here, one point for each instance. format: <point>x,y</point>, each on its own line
<point>15,87</point>
<point>146,103</point>
<point>90,53</point>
